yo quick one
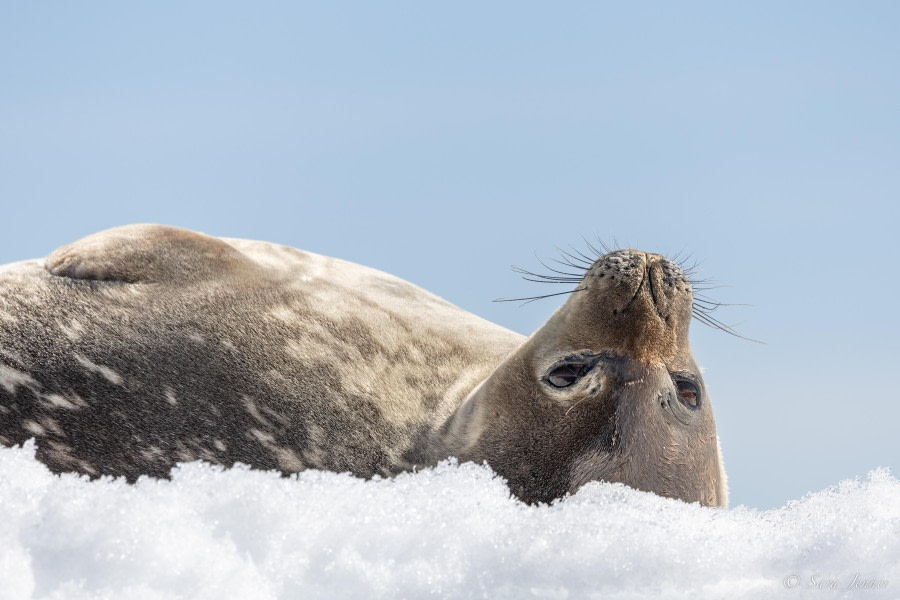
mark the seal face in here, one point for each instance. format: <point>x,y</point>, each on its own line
<point>142,346</point>
<point>612,383</point>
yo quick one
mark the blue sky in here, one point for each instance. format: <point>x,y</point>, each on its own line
<point>444,143</point>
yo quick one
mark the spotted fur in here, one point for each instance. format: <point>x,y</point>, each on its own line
<point>142,346</point>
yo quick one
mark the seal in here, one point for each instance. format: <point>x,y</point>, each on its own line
<point>139,347</point>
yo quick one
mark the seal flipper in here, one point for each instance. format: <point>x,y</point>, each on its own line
<point>144,254</point>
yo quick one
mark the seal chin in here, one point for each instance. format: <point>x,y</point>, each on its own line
<point>656,444</point>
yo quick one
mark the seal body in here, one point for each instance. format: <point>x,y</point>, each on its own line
<point>143,346</point>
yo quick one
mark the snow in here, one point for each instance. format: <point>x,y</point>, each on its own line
<point>451,531</point>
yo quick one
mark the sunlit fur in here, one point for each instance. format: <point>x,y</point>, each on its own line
<point>141,346</point>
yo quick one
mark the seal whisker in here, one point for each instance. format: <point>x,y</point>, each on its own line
<point>549,268</point>
<point>706,304</point>
<point>529,299</point>
<point>704,297</point>
<point>702,306</point>
<point>567,263</point>
<point>695,281</point>
<point>704,288</point>
<point>709,304</point>
<point>562,277</point>
<point>587,259</point>
<point>680,260</point>
<point>706,309</point>
<point>711,321</point>
<point>692,268</point>
<point>553,280</point>
<point>614,248</point>
<point>596,252</point>
<point>701,301</point>
<point>580,262</point>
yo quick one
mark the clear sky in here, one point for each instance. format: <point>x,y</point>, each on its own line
<point>444,142</point>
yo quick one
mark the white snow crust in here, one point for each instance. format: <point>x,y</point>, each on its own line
<point>448,532</point>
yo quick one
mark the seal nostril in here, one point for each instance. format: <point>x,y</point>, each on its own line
<point>657,291</point>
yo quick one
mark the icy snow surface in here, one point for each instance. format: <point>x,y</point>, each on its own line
<point>452,531</point>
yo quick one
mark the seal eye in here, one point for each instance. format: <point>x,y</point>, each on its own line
<point>565,375</point>
<point>688,393</point>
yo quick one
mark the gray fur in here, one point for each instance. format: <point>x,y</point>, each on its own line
<point>142,346</point>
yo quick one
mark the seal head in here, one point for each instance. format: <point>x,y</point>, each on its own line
<point>606,390</point>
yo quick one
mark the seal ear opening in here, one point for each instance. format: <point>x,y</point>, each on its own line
<point>142,254</point>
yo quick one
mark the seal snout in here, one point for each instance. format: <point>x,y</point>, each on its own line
<point>631,279</point>
<point>634,301</point>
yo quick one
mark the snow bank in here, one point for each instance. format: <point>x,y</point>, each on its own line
<point>452,531</point>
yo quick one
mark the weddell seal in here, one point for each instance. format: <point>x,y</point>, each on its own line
<point>142,346</point>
